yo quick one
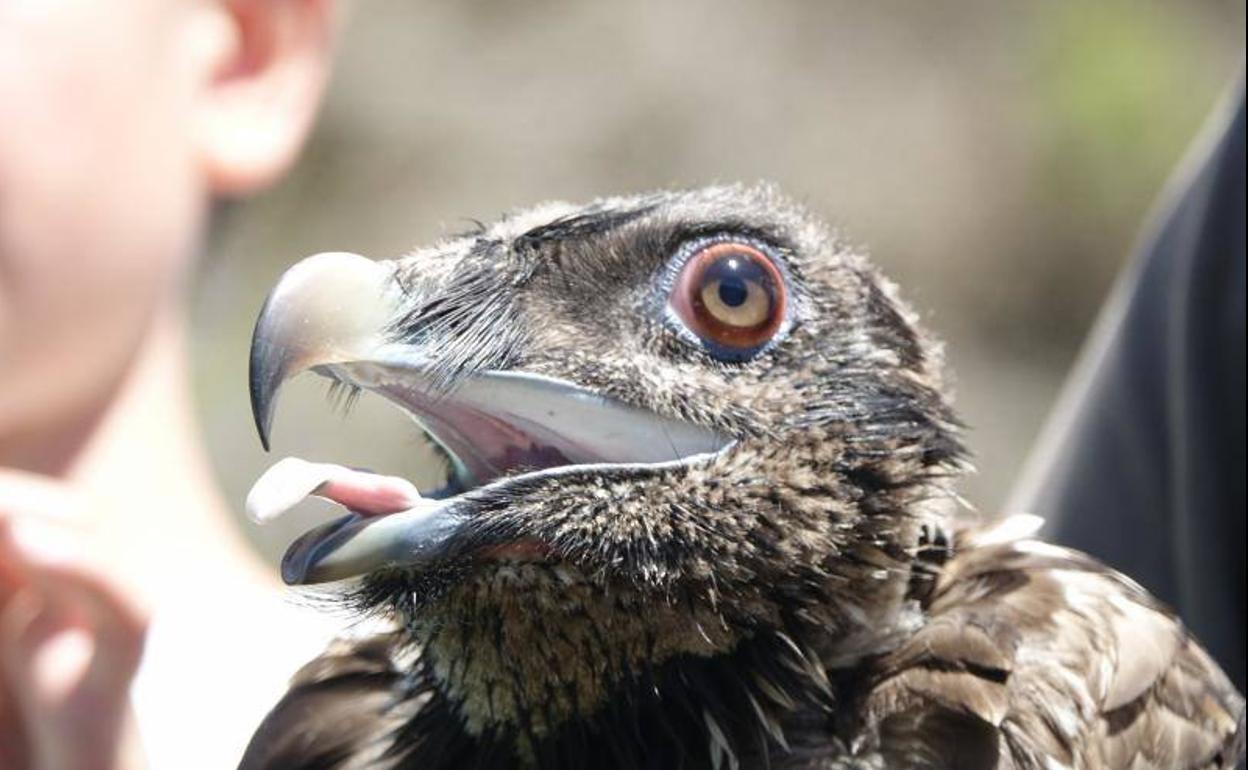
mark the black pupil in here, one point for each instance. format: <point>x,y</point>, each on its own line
<point>733,292</point>
<point>735,272</point>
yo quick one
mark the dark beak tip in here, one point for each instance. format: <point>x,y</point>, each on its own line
<point>262,411</point>
<point>264,377</point>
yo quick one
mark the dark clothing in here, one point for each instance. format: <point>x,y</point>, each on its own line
<point>1142,464</point>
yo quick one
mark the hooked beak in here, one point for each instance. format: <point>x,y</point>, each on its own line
<point>334,314</point>
<point>330,308</point>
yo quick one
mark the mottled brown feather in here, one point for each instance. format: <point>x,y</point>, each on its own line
<point>1031,657</point>
<point>1074,664</point>
<point>337,714</point>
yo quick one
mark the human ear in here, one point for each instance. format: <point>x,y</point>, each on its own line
<point>262,77</point>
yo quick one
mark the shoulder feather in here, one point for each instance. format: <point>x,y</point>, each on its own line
<point>337,714</point>
<point>1072,664</point>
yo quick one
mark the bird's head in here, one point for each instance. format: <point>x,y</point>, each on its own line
<point>679,427</point>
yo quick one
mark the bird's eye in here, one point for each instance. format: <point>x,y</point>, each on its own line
<point>731,296</point>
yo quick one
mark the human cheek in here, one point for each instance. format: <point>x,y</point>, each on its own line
<point>99,208</point>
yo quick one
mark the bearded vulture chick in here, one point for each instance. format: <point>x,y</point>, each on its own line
<point>699,515</point>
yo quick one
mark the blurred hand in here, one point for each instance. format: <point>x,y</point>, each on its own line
<point>70,637</point>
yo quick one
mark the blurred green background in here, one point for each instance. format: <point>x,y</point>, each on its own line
<point>997,159</point>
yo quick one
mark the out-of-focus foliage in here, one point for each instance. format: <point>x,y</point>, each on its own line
<point>998,158</point>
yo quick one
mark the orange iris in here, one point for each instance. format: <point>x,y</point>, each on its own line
<point>730,294</point>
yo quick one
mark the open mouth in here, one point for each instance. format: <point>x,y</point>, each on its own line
<point>500,429</point>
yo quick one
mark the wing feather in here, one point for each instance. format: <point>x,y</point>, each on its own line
<point>337,714</point>
<point>1071,663</point>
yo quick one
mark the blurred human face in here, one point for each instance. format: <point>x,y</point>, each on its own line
<point>100,205</point>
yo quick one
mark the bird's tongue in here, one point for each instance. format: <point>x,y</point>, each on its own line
<point>290,480</point>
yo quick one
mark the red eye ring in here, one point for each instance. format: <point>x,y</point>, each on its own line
<point>731,295</point>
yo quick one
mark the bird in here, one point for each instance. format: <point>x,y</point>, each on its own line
<point>701,511</point>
